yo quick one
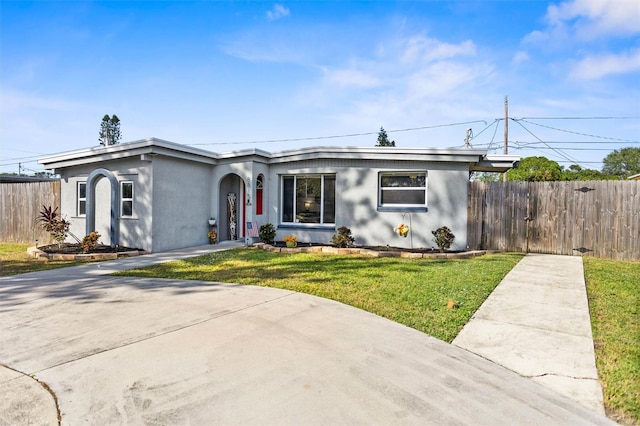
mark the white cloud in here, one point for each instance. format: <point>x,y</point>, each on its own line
<point>598,66</point>
<point>15,100</point>
<point>278,11</point>
<point>424,49</point>
<point>520,57</point>
<point>350,78</point>
<point>398,63</point>
<point>439,79</point>
<point>590,19</point>
<point>259,47</point>
<point>403,81</point>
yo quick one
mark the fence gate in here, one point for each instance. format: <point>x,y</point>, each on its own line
<point>598,218</point>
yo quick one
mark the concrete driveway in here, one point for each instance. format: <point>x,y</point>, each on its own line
<point>119,350</point>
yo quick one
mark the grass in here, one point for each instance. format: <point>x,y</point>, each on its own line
<point>613,288</point>
<point>413,292</point>
<point>15,260</point>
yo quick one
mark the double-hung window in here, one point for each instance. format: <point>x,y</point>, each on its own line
<point>402,189</point>
<point>126,199</point>
<point>81,208</point>
<point>308,199</point>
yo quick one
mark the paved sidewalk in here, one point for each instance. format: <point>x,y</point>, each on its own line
<point>537,323</point>
<point>126,350</point>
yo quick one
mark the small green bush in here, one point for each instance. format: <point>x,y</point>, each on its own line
<point>90,241</point>
<point>267,233</point>
<point>343,238</point>
<point>443,237</point>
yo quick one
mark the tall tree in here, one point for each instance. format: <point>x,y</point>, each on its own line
<point>383,139</point>
<point>575,172</point>
<point>109,130</point>
<point>623,162</point>
<point>536,169</point>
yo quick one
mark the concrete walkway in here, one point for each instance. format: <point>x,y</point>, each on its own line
<point>537,323</point>
<point>117,350</point>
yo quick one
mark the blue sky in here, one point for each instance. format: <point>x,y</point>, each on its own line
<point>225,76</point>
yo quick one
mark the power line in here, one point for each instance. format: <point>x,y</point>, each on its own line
<point>575,133</point>
<point>557,151</point>
<point>579,142</point>
<point>338,136</point>
<point>562,147</point>
<point>580,118</point>
<point>17,162</point>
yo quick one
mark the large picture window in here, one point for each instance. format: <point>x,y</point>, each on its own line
<point>403,189</point>
<point>82,199</point>
<point>309,199</point>
<point>126,197</point>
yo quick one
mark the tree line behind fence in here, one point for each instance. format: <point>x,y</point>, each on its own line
<point>593,218</point>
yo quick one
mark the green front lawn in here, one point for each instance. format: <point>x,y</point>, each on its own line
<point>15,260</point>
<point>414,292</point>
<point>613,288</point>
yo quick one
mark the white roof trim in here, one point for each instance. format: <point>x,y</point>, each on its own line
<point>476,158</point>
<point>496,163</point>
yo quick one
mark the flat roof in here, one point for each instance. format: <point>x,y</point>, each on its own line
<point>477,158</point>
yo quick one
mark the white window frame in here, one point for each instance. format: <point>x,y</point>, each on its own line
<point>409,173</point>
<point>80,199</point>
<point>127,199</point>
<point>295,177</point>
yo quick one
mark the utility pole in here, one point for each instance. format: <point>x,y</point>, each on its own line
<point>466,139</point>
<point>506,132</point>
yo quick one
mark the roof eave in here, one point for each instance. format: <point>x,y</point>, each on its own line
<point>496,163</point>
<point>151,147</point>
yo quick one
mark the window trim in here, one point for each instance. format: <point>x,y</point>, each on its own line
<point>402,206</point>
<point>123,199</point>
<point>320,225</point>
<point>80,199</point>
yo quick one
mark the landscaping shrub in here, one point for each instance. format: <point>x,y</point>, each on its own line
<point>55,225</point>
<point>443,237</point>
<point>90,242</point>
<point>343,238</point>
<point>267,233</point>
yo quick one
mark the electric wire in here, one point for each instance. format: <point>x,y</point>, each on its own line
<point>557,151</point>
<point>581,118</point>
<point>311,138</point>
<point>489,146</point>
<point>572,132</point>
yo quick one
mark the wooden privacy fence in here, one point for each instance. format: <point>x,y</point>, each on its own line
<point>594,218</point>
<point>20,205</point>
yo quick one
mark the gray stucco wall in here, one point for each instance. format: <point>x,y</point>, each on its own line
<point>357,202</point>
<point>181,203</point>
<point>134,231</point>
<point>174,198</point>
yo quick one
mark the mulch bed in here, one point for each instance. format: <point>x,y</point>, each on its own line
<point>282,244</point>
<point>69,248</point>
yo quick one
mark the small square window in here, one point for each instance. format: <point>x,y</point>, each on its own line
<point>403,189</point>
<point>126,198</point>
<point>81,209</point>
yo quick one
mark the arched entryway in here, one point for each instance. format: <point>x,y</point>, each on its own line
<point>114,224</point>
<point>231,206</point>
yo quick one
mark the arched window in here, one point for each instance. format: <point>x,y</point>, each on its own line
<point>259,193</point>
